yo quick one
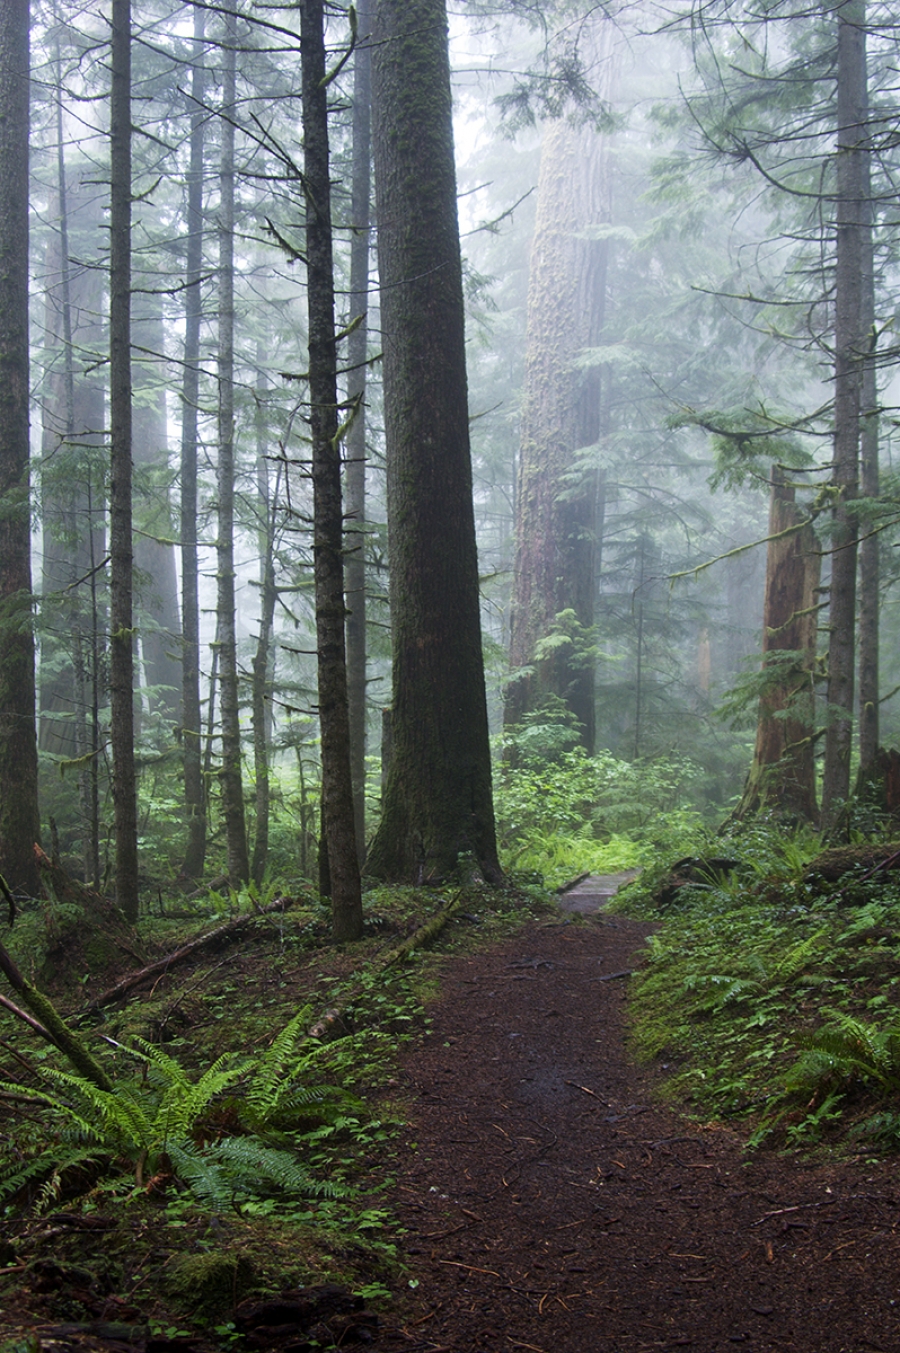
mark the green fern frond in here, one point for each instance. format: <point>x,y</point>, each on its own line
<point>269,1072</point>
<point>17,1175</point>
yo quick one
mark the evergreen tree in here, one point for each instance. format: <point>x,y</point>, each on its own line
<point>437,802</point>
<point>18,741</point>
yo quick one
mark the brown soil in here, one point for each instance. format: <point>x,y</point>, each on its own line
<point>551,1204</point>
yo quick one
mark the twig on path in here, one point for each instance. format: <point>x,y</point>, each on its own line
<point>798,1207</point>
<point>611,976</point>
<point>472,1268</point>
<point>583,1088</point>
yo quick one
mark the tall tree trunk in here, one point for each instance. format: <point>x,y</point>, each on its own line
<point>357,346</point>
<point>869,569</point>
<point>849,362</point>
<point>194,797</point>
<point>554,569</point>
<point>73,408</point>
<point>438,802</point>
<point>154,556</point>
<point>262,658</point>
<point>334,722</point>
<point>231,779</point>
<point>19,821</point>
<point>121,661</point>
<point>782,777</point>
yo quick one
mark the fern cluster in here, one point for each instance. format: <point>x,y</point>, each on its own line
<point>164,1122</point>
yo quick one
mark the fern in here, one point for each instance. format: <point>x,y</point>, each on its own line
<point>50,1162</point>
<point>847,1050</point>
<point>239,1168</point>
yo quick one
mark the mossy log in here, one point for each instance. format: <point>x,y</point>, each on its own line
<point>53,1024</point>
<point>862,861</point>
<point>213,939</point>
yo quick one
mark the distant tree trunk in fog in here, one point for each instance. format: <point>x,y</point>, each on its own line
<point>437,803</point>
<point>156,577</point>
<point>262,658</point>
<point>869,546</point>
<point>194,796</point>
<point>357,346</point>
<point>19,819</point>
<point>782,778</point>
<point>556,498</point>
<point>73,408</point>
<point>850,343</point>
<point>334,721</point>
<point>121,661</point>
<point>230,776</point>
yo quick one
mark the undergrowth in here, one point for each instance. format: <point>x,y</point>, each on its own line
<point>771,998</point>
<point>255,1108</point>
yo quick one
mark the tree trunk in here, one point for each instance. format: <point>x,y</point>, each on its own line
<point>438,803</point>
<point>782,777</point>
<point>121,661</point>
<point>334,722</point>
<point>869,549</point>
<point>230,777</point>
<point>194,797</point>
<point>554,569</point>
<point>849,362</point>
<point>357,347</point>
<point>156,581</point>
<point>19,820</point>
<point>268,595</point>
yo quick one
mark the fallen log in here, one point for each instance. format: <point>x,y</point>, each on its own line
<point>223,934</point>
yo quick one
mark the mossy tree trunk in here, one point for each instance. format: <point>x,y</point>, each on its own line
<point>337,791</point>
<point>18,734</point>
<point>437,801</point>
<point>121,657</point>
<point>357,346</point>
<point>194,796</point>
<point>782,776</point>
<point>850,342</point>
<point>230,775</point>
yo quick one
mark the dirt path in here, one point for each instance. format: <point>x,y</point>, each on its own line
<point>551,1206</point>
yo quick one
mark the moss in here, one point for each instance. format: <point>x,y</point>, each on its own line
<point>210,1285</point>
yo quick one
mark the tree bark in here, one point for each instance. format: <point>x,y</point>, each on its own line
<point>334,722</point>
<point>556,499</point>
<point>19,820</point>
<point>357,348</point>
<point>782,777</point>
<point>230,776</point>
<point>194,796</point>
<point>437,803</point>
<point>121,662</point>
<point>156,582</point>
<point>849,363</point>
<point>869,546</point>
<point>262,658</point>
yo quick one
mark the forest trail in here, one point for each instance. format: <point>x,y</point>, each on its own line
<point>551,1204</point>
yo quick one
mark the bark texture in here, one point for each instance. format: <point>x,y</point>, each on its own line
<point>557,494</point>
<point>18,736</point>
<point>437,802</point>
<point>357,346</point>
<point>230,777</point>
<point>849,362</point>
<point>121,661</point>
<point>339,837</point>
<point>194,796</point>
<point>782,777</point>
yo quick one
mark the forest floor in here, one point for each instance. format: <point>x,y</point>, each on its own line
<point>549,1199</point>
<point>552,1203</point>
